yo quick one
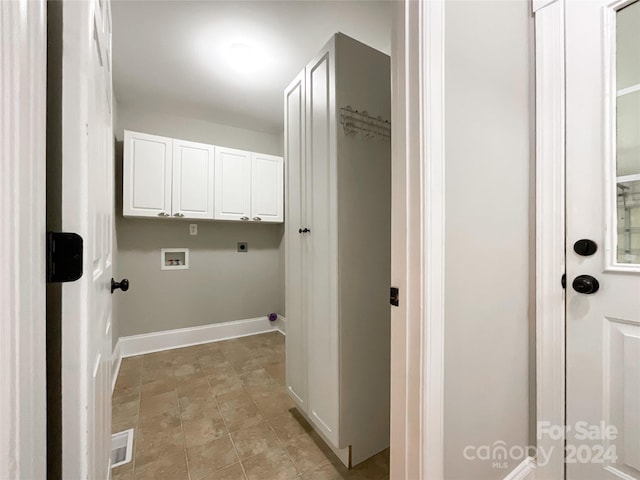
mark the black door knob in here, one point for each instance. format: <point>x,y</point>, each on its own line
<point>304,230</point>
<point>585,284</point>
<point>122,285</point>
<point>585,247</point>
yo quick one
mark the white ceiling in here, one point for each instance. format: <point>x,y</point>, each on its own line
<point>169,56</point>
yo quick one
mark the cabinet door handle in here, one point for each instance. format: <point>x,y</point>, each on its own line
<point>178,214</point>
<point>257,219</point>
<point>244,218</point>
<point>163,214</point>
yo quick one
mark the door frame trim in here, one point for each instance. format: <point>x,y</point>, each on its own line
<point>418,223</point>
<point>550,232</point>
<point>23,83</point>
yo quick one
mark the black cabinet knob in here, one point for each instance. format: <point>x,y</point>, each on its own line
<point>585,284</point>
<point>304,230</point>
<point>122,285</point>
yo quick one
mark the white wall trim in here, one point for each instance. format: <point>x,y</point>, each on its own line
<point>525,471</point>
<point>417,336</point>
<point>550,233</point>
<point>432,160</point>
<point>184,337</point>
<point>116,361</point>
<point>23,76</point>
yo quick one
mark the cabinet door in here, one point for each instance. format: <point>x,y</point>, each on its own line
<point>295,287</point>
<point>232,184</point>
<point>322,244</point>
<point>146,175</point>
<point>267,188</point>
<point>193,173</point>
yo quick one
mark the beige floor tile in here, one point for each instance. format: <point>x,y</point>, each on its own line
<point>202,430</point>
<point>158,360</point>
<point>155,387</point>
<point>215,455</point>
<point>125,411</point>
<point>289,425</point>
<point>272,465</point>
<point>232,400</point>
<point>150,446</point>
<point>225,385</point>
<point>186,369</point>
<point>329,471</point>
<point>163,421</point>
<point>166,467</point>
<point>195,384</point>
<point>254,440</point>
<point>308,452</point>
<point>155,374</point>
<point>242,417</point>
<point>192,397</point>
<point>199,405</point>
<point>123,472</point>
<point>234,472</point>
<point>257,377</point>
<point>154,404</point>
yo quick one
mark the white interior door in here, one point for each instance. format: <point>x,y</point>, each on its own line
<point>193,167</point>
<point>87,209</point>
<point>603,205</point>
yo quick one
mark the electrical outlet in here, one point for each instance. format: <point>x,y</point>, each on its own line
<point>193,229</point>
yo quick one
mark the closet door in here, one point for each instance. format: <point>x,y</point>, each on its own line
<point>296,284</point>
<point>266,188</point>
<point>322,243</point>
<point>193,174</point>
<point>232,184</point>
<point>147,175</point>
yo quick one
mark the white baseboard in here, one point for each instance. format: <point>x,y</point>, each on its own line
<point>116,361</point>
<point>281,325</point>
<point>525,471</point>
<point>184,337</point>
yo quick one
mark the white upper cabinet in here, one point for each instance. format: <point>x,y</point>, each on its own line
<point>267,189</point>
<point>233,184</point>
<point>249,186</point>
<point>193,180</point>
<point>147,175</point>
<point>166,177</point>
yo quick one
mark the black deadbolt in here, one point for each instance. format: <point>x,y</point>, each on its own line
<point>585,284</point>
<point>585,247</point>
<point>122,285</point>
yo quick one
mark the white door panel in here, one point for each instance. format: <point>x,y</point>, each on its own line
<point>87,208</point>
<point>296,267</point>
<point>147,177</point>
<point>602,155</point>
<point>193,180</point>
<point>232,184</point>
<point>267,188</point>
<point>320,242</point>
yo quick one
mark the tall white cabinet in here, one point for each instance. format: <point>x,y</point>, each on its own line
<point>338,251</point>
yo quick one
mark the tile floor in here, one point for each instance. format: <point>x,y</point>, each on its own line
<point>220,411</point>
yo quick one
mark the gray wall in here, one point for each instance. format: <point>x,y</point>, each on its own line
<point>488,231</point>
<point>221,285</point>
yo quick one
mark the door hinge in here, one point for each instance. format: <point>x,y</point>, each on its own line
<point>394,297</point>
<point>64,257</point>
